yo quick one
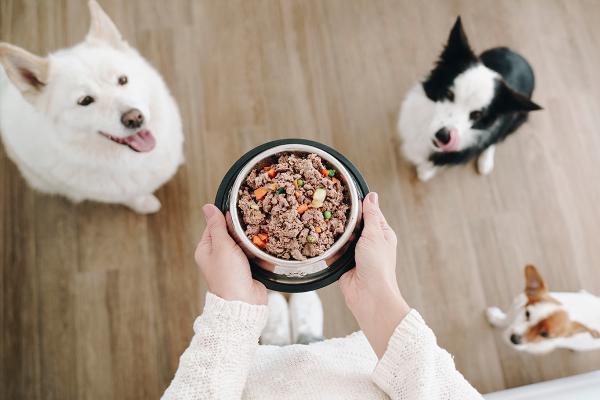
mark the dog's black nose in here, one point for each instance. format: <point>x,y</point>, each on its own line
<point>132,119</point>
<point>515,339</point>
<point>443,135</point>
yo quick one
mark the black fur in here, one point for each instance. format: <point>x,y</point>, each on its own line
<point>455,59</point>
<point>511,102</point>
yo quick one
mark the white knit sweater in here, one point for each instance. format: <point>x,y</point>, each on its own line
<point>224,361</point>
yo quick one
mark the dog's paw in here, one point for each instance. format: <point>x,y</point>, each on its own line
<point>495,316</point>
<point>425,172</point>
<point>485,165</point>
<point>146,204</point>
<point>485,162</point>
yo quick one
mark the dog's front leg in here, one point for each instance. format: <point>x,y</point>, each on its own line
<point>500,319</point>
<point>426,171</point>
<point>496,317</point>
<point>485,162</point>
<point>146,204</point>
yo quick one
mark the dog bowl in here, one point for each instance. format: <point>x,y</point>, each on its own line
<point>293,275</point>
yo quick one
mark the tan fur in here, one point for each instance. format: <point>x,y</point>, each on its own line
<point>535,287</point>
<point>556,325</point>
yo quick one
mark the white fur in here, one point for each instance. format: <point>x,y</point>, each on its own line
<point>55,142</point>
<point>581,307</point>
<point>420,118</point>
<point>485,163</point>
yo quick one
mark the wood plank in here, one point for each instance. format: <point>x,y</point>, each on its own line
<point>91,292</point>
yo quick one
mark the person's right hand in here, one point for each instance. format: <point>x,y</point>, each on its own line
<point>371,290</point>
<point>223,263</point>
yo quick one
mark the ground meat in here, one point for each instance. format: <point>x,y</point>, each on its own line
<point>273,205</point>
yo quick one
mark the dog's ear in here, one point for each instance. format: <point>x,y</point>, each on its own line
<point>577,327</point>
<point>28,72</point>
<point>458,49</point>
<point>512,101</point>
<point>102,29</point>
<point>535,287</point>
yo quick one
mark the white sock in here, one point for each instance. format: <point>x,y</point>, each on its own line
<point>277,330</point>
<point>306,317</point>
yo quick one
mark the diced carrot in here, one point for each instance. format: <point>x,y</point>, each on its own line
<point>302,208</point>
<point>260,192</point>
<point>263,236</point>
<point>272,172</point>
<point>324,172</point>
<point>318,229</point>
<point>336,181</point>
<point>258,242</point>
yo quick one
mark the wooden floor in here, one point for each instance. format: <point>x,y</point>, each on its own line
<point>97,302</point>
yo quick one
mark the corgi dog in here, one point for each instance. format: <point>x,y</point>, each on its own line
<point>91,122</point>
<point>466,105</point>
<point>540,321</point>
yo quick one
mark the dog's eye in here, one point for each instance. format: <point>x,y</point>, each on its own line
<point>544,334</point>
<point>85,101</point>
<point>527,315</point>
<point>475,115</point>
<point>450,95</point>
<point>123,80</point>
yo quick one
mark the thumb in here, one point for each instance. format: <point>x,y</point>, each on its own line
<point>346,278</point>
<point>204,247</point>
<point>374,219</point>
<point>215,224</point>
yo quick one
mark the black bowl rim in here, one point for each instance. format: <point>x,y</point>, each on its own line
<point>340,266</point>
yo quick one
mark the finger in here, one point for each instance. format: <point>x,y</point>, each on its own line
<point>206,239</point>
<point>378,221</point>
<point>204,246</point>
<point>215,224</point>
<point>388,232</point>
<point>374,219</point>
<point>345,278</point>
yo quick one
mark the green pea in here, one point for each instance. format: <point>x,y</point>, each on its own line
<point>280,190</point>
<point>327,214</point>
<point>300,183</point>
<point>331,172</point>
<point>311,239</point>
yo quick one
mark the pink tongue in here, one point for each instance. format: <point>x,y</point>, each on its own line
<point>452,145</point>
<point>142,141</point>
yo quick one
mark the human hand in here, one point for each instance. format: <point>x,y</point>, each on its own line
<point>371,290</point>
<point>223,263</point>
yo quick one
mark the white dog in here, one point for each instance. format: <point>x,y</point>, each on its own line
<point>91,122</point>
<point>540,321</point>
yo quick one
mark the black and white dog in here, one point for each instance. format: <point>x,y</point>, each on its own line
<point>465,106</point>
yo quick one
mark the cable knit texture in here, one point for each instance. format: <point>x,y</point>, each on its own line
<point>216,363</point>
<point>224,361</point>
<point>414,367</point>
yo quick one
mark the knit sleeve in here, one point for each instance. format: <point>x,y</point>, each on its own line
<point>217,361</point>
<point>414,367</point>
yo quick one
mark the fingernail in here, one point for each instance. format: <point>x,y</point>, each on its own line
<point>208,210</point>
<point>373,198</point>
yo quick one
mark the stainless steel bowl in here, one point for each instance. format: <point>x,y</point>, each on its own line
<point>293,272</point>
<point>288,275</point>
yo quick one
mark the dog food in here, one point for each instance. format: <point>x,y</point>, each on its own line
<point>295,207</point>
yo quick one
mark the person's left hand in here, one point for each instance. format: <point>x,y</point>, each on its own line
<point>224,264</point>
